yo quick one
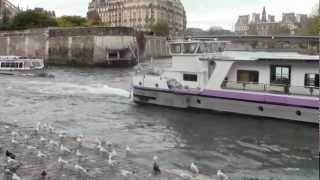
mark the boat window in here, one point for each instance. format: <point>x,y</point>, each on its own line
<point>2,64</point>
<point>190,77</point>
<point>36,64</point>
<point>189,48</point>
<point>20,65</point>
<point>311,80</point>
<point>204,48</point>
<point>248,76</point>
<point>176,48</point>
<point>280,74</point>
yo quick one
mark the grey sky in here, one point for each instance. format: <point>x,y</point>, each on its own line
<point>201,13</point>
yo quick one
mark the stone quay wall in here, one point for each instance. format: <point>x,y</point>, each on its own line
<point>100,46</point>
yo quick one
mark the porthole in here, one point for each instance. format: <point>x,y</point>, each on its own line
<point>298,113</point>
<point>261,108</point>
<point>198,101</point>
<point>140,83</point>
<point>157,85</point>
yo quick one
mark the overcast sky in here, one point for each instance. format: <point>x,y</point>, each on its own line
<point>201,13</point>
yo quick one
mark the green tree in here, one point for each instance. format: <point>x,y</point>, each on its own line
<point>32,19</point>
<point>161,28</point>
<point>5,23</point>
<point>72,21</point>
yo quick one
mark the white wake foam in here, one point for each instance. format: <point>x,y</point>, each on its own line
<point>70,88</point>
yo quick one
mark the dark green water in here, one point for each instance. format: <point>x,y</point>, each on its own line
<point>95,102</point>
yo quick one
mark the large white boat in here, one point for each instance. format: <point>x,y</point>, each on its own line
<point>269,84</point>
<point>17,65</point>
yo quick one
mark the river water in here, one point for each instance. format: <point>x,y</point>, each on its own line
<point>96,102</point>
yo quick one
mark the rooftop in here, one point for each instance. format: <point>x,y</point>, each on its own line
<point>265,56</point>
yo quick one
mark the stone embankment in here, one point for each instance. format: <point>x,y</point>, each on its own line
<point>95,46</point>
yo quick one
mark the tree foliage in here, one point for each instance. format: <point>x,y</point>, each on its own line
<point>32,19</point>
<point>72,21</point>
<point>161,28</point>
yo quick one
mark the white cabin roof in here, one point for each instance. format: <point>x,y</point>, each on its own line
<point>262,56</point>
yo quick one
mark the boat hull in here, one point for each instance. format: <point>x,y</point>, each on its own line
<point>185,100</point>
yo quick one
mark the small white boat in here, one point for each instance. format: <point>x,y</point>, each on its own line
<point>270,84</point>
<point>18,65</point>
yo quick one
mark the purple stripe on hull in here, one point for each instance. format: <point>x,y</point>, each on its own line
<point>266,98</point>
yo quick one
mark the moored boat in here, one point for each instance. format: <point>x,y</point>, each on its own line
<point>270,84</point>
<point>17,65</point>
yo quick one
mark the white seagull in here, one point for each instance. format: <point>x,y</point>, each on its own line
<point>31,148</point>
<point>80,169</point>
<point>64,149</point>
<point>42,140</point>
<point>110,161</point>
<point>62,162</point>
<point>41,155</point>
<point>11,161</point>
<point>53,143</point>
<point>79,154</point>
<point>26,137</point>
<point>114,153</point>
<point>221,175</point>
<point>128,150</point>
<point>125,173</point>
<point>14,134</point>
<point>14,141</point>
<point>194,168</point>
<point>15,177</point>
<point>79,140</point>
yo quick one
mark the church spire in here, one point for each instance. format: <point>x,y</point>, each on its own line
<point>264,15</point>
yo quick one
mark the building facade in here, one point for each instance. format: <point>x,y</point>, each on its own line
<point>267,24</point>
<point>7,10</point>
<point>139,14</point>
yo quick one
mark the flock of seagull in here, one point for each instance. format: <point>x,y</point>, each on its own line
<point>56,143</point>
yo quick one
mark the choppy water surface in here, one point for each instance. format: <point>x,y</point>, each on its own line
<point>95,102</point>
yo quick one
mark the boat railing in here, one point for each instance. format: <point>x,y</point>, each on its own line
<point>272,88</point>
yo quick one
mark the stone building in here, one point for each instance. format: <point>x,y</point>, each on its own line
<point>7,10</point>
<point>139,14</point>
<point>242,25</point>
<point>268,25</point>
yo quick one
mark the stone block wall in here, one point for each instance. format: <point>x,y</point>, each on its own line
<point>80,46</point>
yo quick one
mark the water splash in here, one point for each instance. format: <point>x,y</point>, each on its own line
<point>76,89</point>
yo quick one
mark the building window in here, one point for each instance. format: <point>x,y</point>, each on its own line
<point>190,77</point>
<point>248,76</point>
<point>311,80</point>
<point>280,75</point>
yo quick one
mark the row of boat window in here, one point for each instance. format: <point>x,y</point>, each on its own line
<point>279,75</point>
<point>11,65</point>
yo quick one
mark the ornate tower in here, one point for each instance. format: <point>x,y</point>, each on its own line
<point>264,15</point>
